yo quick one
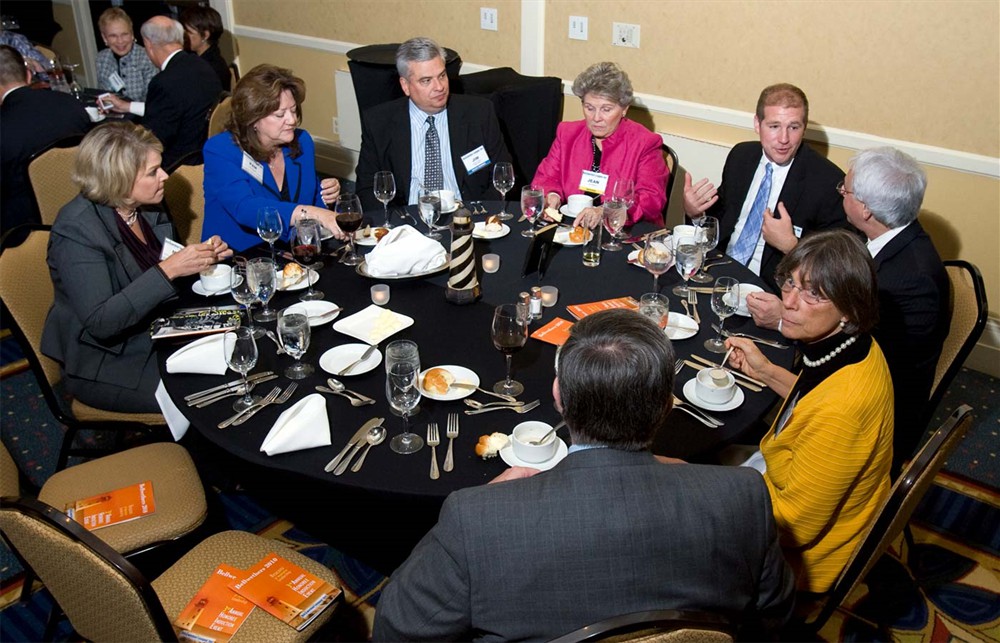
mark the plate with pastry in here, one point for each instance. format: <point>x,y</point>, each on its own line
<point>492,228</point>
<point>508,456</point>
<point>572,236</point>
<point>293,277</point>
<point>369,236</point>
<point>436,383</point>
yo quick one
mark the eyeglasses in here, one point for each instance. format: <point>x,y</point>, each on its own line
<point>842,189</point>
<point>809,295</point>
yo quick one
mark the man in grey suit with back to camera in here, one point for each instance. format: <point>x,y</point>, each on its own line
<point>610,530</point>
<point>431,138</point>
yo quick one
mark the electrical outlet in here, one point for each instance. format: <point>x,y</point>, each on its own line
<point>578,27</point>
<point>335,126</point>
<point>488,18</point>
<point>625,35</point>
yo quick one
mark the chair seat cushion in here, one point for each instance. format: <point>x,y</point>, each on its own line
<point>178,585</point>
<point>177,492</point>
<point>85,413</point>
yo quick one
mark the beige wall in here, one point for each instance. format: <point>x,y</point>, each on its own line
<point>66,42</point>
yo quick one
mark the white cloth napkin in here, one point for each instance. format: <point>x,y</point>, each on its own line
<point>208,356</point>
<point>405,251</point>
<point>303,426</point>
<point>175,419</point>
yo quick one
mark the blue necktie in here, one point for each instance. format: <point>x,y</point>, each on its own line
<point>433,177</point>
<point>747,243</point>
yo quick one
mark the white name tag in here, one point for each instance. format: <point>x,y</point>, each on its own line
<point>253,168</point>
<point>169,247</point>
<point>476,159</point>
<point>115,82</point>
<point>593,182</point>
<point>797,231</point>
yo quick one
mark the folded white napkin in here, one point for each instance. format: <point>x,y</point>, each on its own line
<point>303,426</point>
<point>404,251</point>
<point>175,419</point>
<point>208,356</point>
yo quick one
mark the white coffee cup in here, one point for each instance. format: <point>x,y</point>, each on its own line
<point>215,278</point>
<point>447,200</point>
<point>715,385</point>
<point>575,203</point>
<point>94,114</point>
<point>524,433</point>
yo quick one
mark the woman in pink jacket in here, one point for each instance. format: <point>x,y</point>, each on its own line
<point>589,156</point>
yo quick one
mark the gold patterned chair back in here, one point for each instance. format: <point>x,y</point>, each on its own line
<point>217,121</point>
<point>49,173</point>
<point>185,196</point>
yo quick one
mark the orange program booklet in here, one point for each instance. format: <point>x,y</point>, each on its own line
<point>113,507</point>
<point>579,311</point>
<point>555,332</point>
<point>285,590</point>
<point>216,611</point>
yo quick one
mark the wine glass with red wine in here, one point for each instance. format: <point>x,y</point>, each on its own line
<point>510,332</point>
<point>306,244</point>
<point>348,211</point>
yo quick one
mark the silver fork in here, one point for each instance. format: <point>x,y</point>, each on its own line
<point>489,405</point>
<point>433,439</point>
<point>241,390</point>
<point>451,431</point>
<point>693,300</point>
<point>281,400</point>
<point>701,416</point>
<point>275,392</point>
<point>530,406</point>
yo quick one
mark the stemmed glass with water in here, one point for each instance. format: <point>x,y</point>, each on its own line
<point>269,226</point>
<point>509,332</point>
<point>306,245</point>
<point>294,334</point>
<point>242,359</point>
<point>503,181</point>
<point>244,293</point>
<point>261,276</point>
<point>430,210</point>
<point>624,191</point>
<point>687,258</point>
<point>725,300</point>
<point>657,255</point>
<point>402,372</point>
<point>385,191</point>
<point>532,205</point>
<point>707,231</point>
<point>615,213</point>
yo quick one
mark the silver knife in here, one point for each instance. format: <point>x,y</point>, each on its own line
<point>208,400</point>
<point>363,357</point>
<point>753,338</point>
<point>229,385</point>
<point>360,435</point>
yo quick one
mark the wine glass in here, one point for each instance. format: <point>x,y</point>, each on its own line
<point>725,300</point>
<point>294,334</point>
<point>532,205</point>
<point>615,213</point>
<point>707,231</point>
<point>510,332</point>
<point>687,258</point>
<point>348,210</point>
<point>306,244</point>
<point>261,276</point>
<point>243,293</point>
<point>403,394</point>
<point>657,255</point>
<point>503,181</point>
<point>624,191</point>
<point>430,210</point>
<point>656,307</point>
<point>69,70</point>
<point>385,191</point>
<point>242,360</point>
<point>269,226</point>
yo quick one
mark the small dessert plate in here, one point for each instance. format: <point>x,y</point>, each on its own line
<point>462,374</point>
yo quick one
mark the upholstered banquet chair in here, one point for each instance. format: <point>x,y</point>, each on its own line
<point>680,626</point>
<point>26,294</point>
<point>969,311</point>
<point>184,194</point>
<point>218,116</point>
<point>49,172</point>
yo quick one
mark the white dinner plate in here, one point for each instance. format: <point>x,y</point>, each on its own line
<point>300,284</point>
<point>200,290</point>
<point>680,327</point>
<point>315,311</point>
<point>746,289</point>
<point>692,397</point>
<point>461,374</point>
<point>507,455</point>
<point>479,231</point>
<point>633,258</point>
<point>562,237</point>
<point>340,357</point>
<point>368,241</point>
<point>373,324</point>
<point>362,269</point>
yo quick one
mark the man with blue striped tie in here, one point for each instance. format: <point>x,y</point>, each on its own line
<point>772,191</point>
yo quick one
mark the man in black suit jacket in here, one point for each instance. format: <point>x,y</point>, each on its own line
<point>180,97</point>
<point>802,196</point>
<point>474,141</point>
<point>608,531</point>
<point>30,120</point>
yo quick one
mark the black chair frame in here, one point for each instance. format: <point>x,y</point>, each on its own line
<point>661,620</point>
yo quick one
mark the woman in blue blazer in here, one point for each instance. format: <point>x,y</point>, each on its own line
<point>263,159</point>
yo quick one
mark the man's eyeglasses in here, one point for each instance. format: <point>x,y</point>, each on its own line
<point>809,295</point>
<point>842,190</point>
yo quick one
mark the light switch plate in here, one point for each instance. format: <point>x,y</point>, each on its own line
<point>578,27</point>
<point>488,18</point>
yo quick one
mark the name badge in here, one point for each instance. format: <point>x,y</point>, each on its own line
<point>797,231</point>
<point>253,168</point>
<point>476,160</point>
<point>116,82</point>
<point>169,247</point>
<point>593,182</point>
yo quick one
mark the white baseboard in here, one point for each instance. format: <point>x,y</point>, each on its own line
<point>985,357</point>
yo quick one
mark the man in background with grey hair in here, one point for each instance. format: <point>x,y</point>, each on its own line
<point>179,97</point>
<point>429,139</point>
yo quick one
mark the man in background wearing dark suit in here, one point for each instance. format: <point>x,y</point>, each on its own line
<point>30,120</point>
<point>610,530</point>
<point>772,191</point>
<point>431,138</point>
<point>179,97</point>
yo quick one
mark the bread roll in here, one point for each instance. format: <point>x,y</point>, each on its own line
<point>489,445</point>
<point>380,232</point>
<point>437,381</point>
<point>291,274</point>
<point>578,235</point>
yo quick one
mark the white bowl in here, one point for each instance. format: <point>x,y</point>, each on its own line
<point>713,392</point>
<point>524,433</point>
<point>215,278</point>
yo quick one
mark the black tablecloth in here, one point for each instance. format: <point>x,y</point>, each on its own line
<point>446,334</point>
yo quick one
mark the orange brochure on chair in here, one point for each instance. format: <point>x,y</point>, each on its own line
<point>555,332</point>
<point>285,590</point>
<point>113,507</point>
<point>579,311</point>
<point>215,612</point>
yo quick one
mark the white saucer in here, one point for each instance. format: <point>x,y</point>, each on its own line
<point>479,231</point>
<point>461,374</point>
<point>339,357</point>
<point>688,327</point>
<point>200,290</point>
<point>693,398</point>
<point>454,207</point>
<point>746,289</point>
<point>301,283</point>
<point>315,309</point>
<point>507,455</point>
<point>564,210</point>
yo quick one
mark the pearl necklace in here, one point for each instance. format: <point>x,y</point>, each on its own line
<point>129,218</point>
<point>827,358</point>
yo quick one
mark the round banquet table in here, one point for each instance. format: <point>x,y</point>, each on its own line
<point>379,513</point>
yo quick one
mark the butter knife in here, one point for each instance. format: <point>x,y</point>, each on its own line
<point>228,386</point>
<point>356,439</point>
<point>753,338</point>
<point>363,357</point>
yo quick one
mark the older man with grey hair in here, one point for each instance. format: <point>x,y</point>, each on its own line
<point>179,97</point>
<point>430,138</point>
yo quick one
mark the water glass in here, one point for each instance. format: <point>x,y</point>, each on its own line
<point>385,191</point>
<point>269,226</point>
<point>503,181</point>
<point>403,392</point>
<point>725,300</point>
<point>707,233</point>
<point>687,258</point>
<point>262,278</point>
<point>242,359</point>
<point>294,334</point>
<point>430,211</point>
<point>592,248</point>
<point>532,205</point>
<point>656,307</point>
<point>615,213</point>
<point>243,294</point>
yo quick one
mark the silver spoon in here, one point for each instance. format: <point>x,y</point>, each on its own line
<point>274,338</point>
<point>374,437</point>
<point>545,438</point>
<point>339,387</point>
